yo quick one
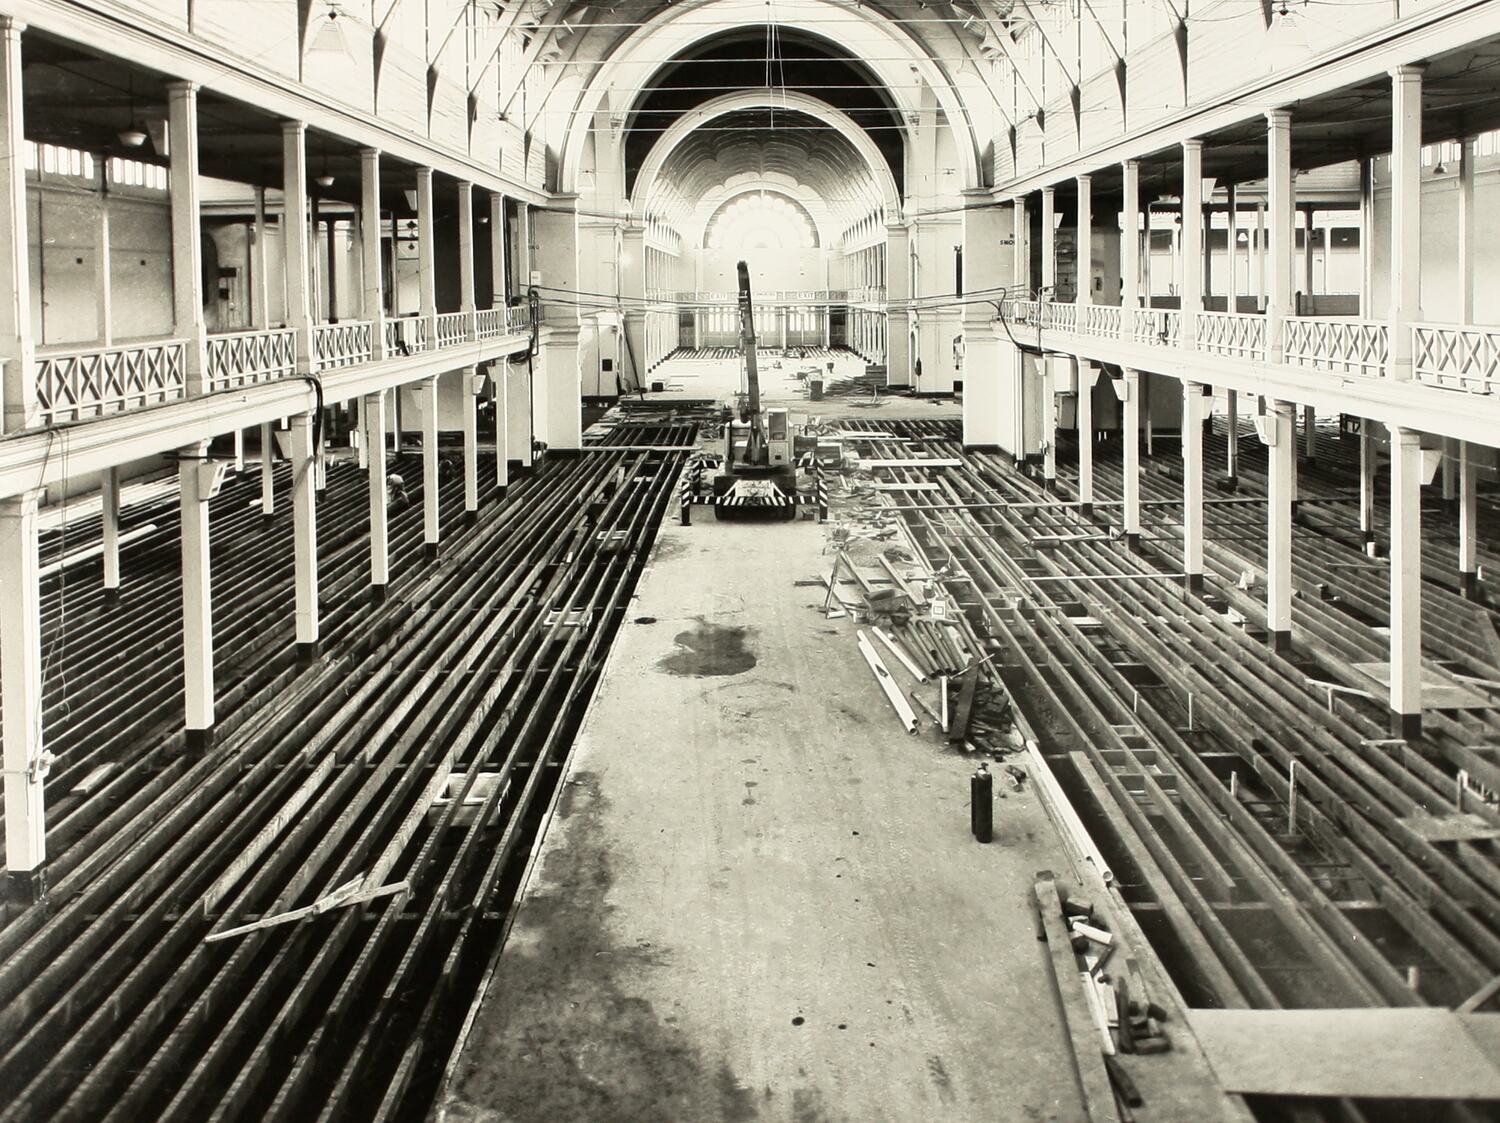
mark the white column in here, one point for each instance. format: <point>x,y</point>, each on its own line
<point>1366,239</point>
<point>380,565</point>
<point>1466,230</point>
<point>1232,433</point>
<point>466,303</point>
<point>520,431</point>
<point>1085,239</point>
<point>103,286</point>
<point>305,455</point>
<point>497,249</point>
<point>1192,239</point>
<point>21,695</point>
<point>1468,522</point>
<point>260,280</point>
<point>1130,248</point>
<point>1020,257</point>
<point>1307,256</point>
<point>1406,582</point>
<point>109,500</point>
<point>499,371</point>
<point>1049,423</point>
<point>523,264</point>
<point>426,392</point>
<point>1084,374</point>
<point>1282,454</point>
<point>294,241</point>
<point>426,253</point>
<point>1282,214</point>
<point>1232,235</point>
<point>1132,438</point>
<point>1367,465</point>
<point>1049,244</point>
<point>1259,260</point>
<point>472,382</point>
<point>16,344</point>
<point>1192,484</point>
<point>267,480</point>
<point>194,475</point>
<point>1406,215</point>
<point>187,249</point>
<point>372,305</point>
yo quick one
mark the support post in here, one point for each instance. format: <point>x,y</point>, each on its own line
<point>17,347</point>
<point>305,454</point>
<point>1084,237</point>
<point>109,502</point>
<point>1468,523</point>
<point>1192,485</point>
<point>426,391</point>
<point>103,270</point>
<point>469,398</point>
<point>426,255</point>
<point>498,290</point>
<point>1466,230</point>
<point>380,564</point>
<point>1084,373</point>
<point>1310,433</point>
<point>372,273</point>
<point>1366,239</point>
<point>1406,582</point>
<point>1020,259</point>
<point>1367,466</point>
<point>1232,427</point>
<point>1130,249</point>
<point>1406,217</point>
<point>21,689</point>
<point>1282,455</point>
<point>294,237</point>
<point>499,371</point>
<point>267,479</point>
<point>194,476</point>
<point>1049,244</point>
<point>260,280</point>
<point>1049,424</point>
<point>1192,241</point>
<point>1282,214</point>
<point>1132,438</point>
<point>187,248</point>
<point>466,300</point>
<point>1232,236</point>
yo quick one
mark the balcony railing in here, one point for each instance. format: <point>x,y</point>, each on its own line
<point>406,335</point>
<point>452,328</point>
<point>1341,344</point>
<point>1458,357</point>
<point>1159,326</point>
<point>1232,333</point>
<point>1102,320</point>
<point>243,358</point>
<point>72,385</point>
<point>343,344</point>
<point>490,323</point>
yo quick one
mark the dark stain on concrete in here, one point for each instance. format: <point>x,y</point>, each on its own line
<point>559,1036</point>
<point>710,651</point>
<point>807,1106</point>
<point>940,1078</point>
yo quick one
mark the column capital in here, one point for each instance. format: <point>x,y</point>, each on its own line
<point>22,503</point>
<point>1193,144</point>
<point>1279,118</point>
<point>1408,71</point>
<point>290,127</point>
<point>369,153</point>
<point>424,173</point>
<point>12,25</point>
<point>1048,192</point>
<point>1130,165</point>
<point>181,86</point>
<point>1084,180</point>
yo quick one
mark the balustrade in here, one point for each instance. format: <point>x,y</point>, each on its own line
<point>72,385</point>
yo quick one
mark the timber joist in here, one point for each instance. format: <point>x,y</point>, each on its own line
<point>376,800</point>
<point>1159,696</point>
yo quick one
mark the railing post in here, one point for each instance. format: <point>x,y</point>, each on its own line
<point>373,308</point>
<point>1191,243</point>
<point>187,247</point>
<point>1406,216</point>
<point>294,238</point>
<point>21,686</point>
<point>466,301</point>
<point>17,349</point>
<point>426,255</point>
<point>1282,213</point>
<point>1130,248</point>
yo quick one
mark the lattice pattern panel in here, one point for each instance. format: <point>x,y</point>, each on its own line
<point>248,357</point>
<point>1347,345</point>
<point>1232,333</point>
<point>343,344</point>
<point>1460,358</point>
<point>80,384</point>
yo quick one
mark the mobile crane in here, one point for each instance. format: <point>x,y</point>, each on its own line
<point>758,476</point>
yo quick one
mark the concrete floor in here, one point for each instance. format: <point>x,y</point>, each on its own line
<point>758,898</point>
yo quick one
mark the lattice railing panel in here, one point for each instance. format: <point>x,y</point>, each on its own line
<point>1232,333</point>
<point>343,344</point>
<point>1102,320</point>
<point>1347,345</point>
<point>491,322</point>
<point>1161,326</point>
<point>452,328</point>
<point>406,335</point>
<point>246,357</point>
<point>71,385</point>
<point>1459,357</point>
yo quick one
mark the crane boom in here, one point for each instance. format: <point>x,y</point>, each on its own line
<point>748,344</point>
